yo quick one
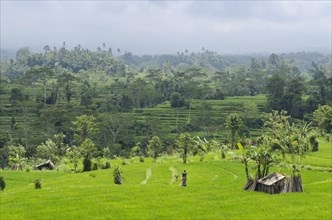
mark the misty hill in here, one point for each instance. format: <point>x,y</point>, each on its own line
<point>6,54</point>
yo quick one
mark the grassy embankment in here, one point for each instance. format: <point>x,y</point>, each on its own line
<point>151,192</point>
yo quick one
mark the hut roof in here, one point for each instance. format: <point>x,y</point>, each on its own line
<point>48,163</point>
<point>271,179</point>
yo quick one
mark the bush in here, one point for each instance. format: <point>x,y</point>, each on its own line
<point>27,168</point>
<point>107,165</point>
<point>2,183</point>
<point>86,164</point>
<point>141,159</point>
<point>63,168</point>
<point>95,166</point>
<point>177,100</point>
<point>117,174</point>
<point>37,184</point>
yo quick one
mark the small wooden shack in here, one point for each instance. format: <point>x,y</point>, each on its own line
<point>48,165</point>
<point>273,183</point>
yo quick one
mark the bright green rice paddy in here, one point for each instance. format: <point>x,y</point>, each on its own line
<point>150,191</point>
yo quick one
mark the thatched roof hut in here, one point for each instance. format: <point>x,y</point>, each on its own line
<point>48,165</point>
<point>275,183</point>
<point>272,183</point>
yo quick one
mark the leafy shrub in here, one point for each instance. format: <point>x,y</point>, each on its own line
<point>106,165</point>
<point>141,159</point>
<point>63,168</point>
<point>37,184</point>
<point>177,100</point>
<point>2,183</point>
<point>117,174</point>
<point>124,162</point>
<point>27,168</point>
<point>95,166</point>
<point>86,164</point>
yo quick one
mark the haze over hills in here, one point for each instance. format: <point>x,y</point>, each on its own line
<point>6,54</point>
<point>153,27</point>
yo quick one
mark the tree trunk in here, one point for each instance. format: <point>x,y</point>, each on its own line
<point>233,140</point>
<point>259,171</point>
<point>44,94</point>
<point>247,171</point>
<point>185,154</point>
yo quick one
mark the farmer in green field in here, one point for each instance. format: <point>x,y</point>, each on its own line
<point>184,178</point>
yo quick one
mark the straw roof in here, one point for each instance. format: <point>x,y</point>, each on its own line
<point>271,179</point>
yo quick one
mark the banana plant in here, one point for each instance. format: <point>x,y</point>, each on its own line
<point>245,159</point>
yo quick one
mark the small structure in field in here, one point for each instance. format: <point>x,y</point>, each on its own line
<point>48,165</point>
<point>275,183</point>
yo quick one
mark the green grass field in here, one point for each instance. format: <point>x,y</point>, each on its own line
<point>150,191</point>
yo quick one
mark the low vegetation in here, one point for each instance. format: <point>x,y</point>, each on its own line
<point>117,134</point>
<point>214,191</point>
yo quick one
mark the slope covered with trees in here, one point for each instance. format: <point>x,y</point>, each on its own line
<point>135,99</point>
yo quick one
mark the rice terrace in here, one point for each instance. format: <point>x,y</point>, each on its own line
<point>214,191</point>
<point>165,110</point>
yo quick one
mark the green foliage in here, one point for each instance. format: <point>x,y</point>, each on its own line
<point>94,166</point>
<point>86,164</point>
<point>245,157</point>
<point>61,147</point>
<point>115,127</point>
<point>234,124</point>
<point>107,165</point>
<point>46,150</point>
<point>264,156</point>
<point>27,168</point>
<point>323,118</point>
<point>74,155</point>
<point>155,147</point>
<point>2,183</point>
<point>42,93</point>
<point>117,174</point>
<point>186,144</point>
<point>37,184</point>
<point>136,151</point>
<point>177,100</point>
<point>16,154</point>
<point>286,95</point>
<point>84,126</point>
<point>289,138</point>
<point>87,148</point>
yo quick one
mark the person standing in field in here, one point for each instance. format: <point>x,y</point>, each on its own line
<point>184,178</point>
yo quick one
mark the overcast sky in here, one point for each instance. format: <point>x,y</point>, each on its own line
<point>155,27</point>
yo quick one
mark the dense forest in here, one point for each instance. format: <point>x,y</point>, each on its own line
<point>114,103</point>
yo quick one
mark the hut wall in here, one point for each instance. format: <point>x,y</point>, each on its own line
<point>265,188</point>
